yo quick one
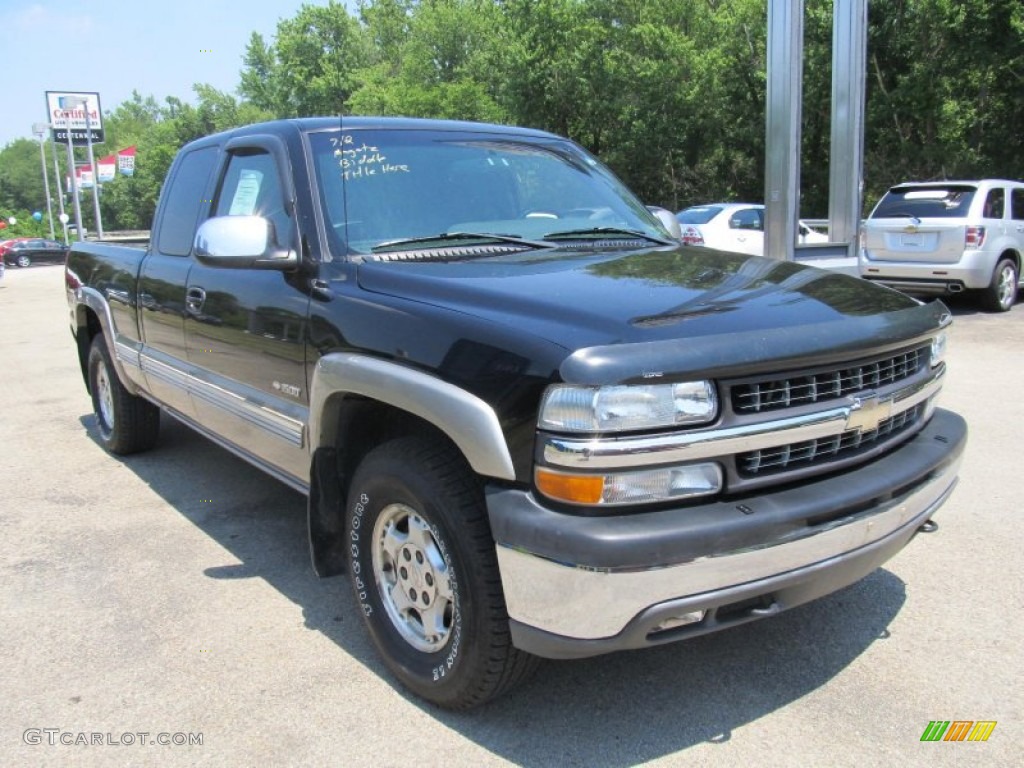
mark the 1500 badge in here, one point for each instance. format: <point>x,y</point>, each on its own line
<point>287,389</point>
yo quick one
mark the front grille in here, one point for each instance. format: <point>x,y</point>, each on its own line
<point>823,450</point>
<point>815,387</point>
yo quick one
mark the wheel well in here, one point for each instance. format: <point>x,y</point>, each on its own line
<point>1014,257</point>
<point>358,425</point>
<point>363,424</point>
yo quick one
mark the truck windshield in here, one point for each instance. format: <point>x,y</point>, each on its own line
<point>386,186</point>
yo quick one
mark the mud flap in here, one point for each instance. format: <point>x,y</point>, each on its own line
<point>326,515</point>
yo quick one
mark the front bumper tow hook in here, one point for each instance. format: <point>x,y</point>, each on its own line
<point>929,526</point>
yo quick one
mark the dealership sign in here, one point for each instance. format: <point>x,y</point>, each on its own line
<point>67,112</point>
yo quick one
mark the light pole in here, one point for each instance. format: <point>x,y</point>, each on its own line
<point>60,187</point>
<point>68,106</point>
<point>39,129</point>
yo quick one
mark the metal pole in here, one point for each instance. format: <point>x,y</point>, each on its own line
<point>846,164</point>
<point>74,179</point>
<point>782,127</point>
<point>60,187</point>
<point>95,175</point>
<point>39,129</point>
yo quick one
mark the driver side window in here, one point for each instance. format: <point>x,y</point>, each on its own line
<point>252,187</point>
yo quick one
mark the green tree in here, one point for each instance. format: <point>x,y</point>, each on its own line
<point>310,67</point>
<point>945,91</point>
<point>21,177</point>
<point>432,60</point>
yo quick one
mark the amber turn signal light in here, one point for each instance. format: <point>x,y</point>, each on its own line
<point>575,489</point>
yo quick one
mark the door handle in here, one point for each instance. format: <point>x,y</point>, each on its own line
<point>194,299</point>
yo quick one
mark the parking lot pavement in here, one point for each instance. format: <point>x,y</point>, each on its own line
<point>170,593</point>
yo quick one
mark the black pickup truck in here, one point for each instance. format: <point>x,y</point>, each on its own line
<point>528,422</point>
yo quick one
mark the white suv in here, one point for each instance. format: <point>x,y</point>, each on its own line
<point>938,238</point>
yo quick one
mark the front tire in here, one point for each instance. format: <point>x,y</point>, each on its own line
<point>127,423</point>
<point>22,260</point>
<point>1001,294</point>
<point>425,574</point>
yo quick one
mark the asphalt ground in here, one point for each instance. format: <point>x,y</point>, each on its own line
<point>171,593</point>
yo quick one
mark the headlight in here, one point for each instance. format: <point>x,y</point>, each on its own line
<point>570,408</point>
<point>938,349</point>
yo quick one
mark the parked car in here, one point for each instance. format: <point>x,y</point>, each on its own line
<point>28,250</point>
<point>736,227</point>
<point>6,245</point>
<point>940,238</point>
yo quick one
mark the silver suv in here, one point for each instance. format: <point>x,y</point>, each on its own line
<point>938,238</point>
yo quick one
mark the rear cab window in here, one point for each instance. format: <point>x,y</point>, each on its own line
<point>947,201</point>
<point>185,199</point>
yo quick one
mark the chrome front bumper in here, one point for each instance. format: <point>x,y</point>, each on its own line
<point>563,602</point>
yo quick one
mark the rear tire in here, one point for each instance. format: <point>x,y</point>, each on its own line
<point>1001,293</point>
<point>23,260</point>
<point>126,423</point>
<point>425,574</point>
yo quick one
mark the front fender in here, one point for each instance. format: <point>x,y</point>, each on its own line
<point>470,423</point>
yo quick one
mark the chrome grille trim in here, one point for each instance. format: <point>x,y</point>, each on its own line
<point>769,394</point>
<point>812,452</point>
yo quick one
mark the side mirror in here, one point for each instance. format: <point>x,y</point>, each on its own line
<point>668,220</point>
<point>242,242</point>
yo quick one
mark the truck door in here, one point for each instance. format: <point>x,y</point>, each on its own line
<point>163,277</point>
<point>245,329</point>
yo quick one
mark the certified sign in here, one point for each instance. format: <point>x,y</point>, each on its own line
<point>67,111</point>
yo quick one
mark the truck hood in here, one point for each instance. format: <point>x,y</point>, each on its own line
<point>666,311</point>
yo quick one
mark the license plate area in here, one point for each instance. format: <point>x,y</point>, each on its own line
<point>915,240</point>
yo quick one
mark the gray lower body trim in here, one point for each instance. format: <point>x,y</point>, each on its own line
<point>289,480</point>
<point>264,419</point>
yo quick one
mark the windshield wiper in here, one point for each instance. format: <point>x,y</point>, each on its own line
<point>604,233</point>
<point>446,238</point>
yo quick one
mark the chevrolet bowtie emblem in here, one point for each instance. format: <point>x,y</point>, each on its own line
<point>866,413</point>
<point>911,228</point>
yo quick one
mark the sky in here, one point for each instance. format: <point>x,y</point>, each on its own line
<point>117,46</point>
